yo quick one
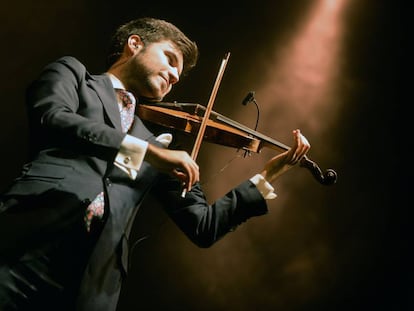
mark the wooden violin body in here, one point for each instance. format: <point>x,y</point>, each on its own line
<point>187,118</point>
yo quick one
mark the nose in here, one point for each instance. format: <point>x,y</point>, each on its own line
<point>174,76</point>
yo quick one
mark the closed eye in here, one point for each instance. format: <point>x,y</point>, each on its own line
<point>173,60</point>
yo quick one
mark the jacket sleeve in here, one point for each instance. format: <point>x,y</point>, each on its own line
<point>204,223</point>
<point>65,112</point>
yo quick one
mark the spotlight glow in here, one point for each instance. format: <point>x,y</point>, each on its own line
<point>301,78</point>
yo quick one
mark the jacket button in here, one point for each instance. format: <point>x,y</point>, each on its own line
<point>107,181</point>
<point>127,160</point>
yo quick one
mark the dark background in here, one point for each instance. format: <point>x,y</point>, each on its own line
<point>341,247</point>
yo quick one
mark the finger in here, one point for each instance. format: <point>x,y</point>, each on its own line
<point>181,176</point>
<point>196,172</point>
<point>193,173</point>
<point>294,156</point>
<point>301,146</point>
<point>303,141</point>
<point>189,181</point>
<point>190,177</point>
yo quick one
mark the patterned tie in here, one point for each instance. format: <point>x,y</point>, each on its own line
<point>126,108</point>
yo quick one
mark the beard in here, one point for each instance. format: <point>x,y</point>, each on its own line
<point>142,80</point>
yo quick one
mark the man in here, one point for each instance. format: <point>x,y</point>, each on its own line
<point>64,222</point>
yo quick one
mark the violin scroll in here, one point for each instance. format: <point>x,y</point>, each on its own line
<point>328,177</point>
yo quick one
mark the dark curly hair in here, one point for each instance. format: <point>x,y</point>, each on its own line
<point>153,30</point>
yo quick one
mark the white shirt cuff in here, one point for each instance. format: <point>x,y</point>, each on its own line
<point>264,187</point>
<point>132,153</point>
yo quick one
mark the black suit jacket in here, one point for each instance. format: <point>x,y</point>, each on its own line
<point>75,134</point>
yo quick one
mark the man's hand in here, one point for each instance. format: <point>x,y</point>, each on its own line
<point>286,160</point>
<point>174,162</point>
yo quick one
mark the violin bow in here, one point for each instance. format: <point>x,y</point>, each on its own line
<point>203,125</point>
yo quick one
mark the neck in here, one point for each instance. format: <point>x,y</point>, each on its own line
<point>117,68</point>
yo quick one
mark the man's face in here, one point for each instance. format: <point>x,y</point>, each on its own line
<point>153,69</point>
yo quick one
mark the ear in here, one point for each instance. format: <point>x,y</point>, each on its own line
<point>134,44</point>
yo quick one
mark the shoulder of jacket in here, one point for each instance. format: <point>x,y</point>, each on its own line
<point>72,63</point>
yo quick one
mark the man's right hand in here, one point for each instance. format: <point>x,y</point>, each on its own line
<point>177,163</point>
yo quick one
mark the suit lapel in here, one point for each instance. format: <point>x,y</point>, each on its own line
<point>104,89</point>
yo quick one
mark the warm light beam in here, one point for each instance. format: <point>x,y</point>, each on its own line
<point>301,80</point>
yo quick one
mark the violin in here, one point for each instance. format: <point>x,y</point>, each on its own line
<point>211,126</point>
<point>188,117</point>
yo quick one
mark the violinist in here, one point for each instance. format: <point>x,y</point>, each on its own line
<point>65,220</point>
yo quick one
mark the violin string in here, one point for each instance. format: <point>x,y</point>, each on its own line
<point>212,177</point>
